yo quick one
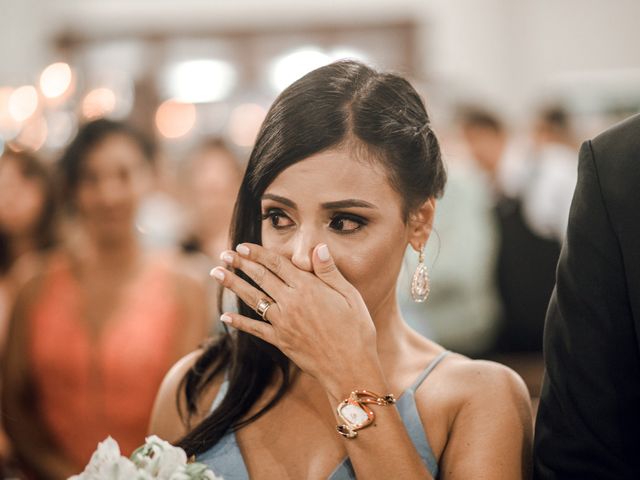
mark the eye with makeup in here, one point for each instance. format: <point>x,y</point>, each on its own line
<point>278,219</point>
<point>340,222</point>
<point>346,223</point>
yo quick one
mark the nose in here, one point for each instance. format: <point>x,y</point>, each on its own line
<point>302,246</point>
<point>111,192</point>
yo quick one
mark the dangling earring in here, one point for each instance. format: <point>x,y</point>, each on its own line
<point>420,284</point>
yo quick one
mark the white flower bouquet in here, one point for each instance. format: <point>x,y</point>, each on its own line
<point>155,460</point>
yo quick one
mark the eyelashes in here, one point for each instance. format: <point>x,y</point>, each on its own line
<point>347,223</point>
<point>340,222</point>
<point>275,215</point>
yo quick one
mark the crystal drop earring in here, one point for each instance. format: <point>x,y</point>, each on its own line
<point>420,283</point>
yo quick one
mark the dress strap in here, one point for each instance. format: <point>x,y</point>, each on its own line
<point>222,391</point>
<point>434,363</point>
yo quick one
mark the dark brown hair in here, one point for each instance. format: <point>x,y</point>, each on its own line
<point>342,104</point>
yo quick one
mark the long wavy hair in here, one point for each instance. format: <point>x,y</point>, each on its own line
<point>381,118</point>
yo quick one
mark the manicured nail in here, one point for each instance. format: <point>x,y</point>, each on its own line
<point>225,318</point>
<point>217,273</point>
<point>323,253</point>
<point>242,249</point>
<point>226,257</point>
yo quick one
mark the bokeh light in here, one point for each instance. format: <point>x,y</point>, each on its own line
<point>200,81</point>
<point>245,122</point>
<point>121,89</point>
<point>62,125</point>
<point>5,94</point>
<point>23,103</point>
<point>175,119</point>
<point>288,68</point>
<point>99,102</point>
<point>33,134</point>
<point>55,80</point>
<point>9,127</point>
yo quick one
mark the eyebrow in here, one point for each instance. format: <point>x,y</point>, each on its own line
<point>348,203</point>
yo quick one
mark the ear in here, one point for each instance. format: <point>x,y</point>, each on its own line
<point>420,224</point>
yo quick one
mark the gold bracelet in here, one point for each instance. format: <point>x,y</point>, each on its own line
<point>355,413</point>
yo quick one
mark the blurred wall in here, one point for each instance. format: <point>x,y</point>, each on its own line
<point>501,51</point>
<point>24,40</point>
<point>511,52</point>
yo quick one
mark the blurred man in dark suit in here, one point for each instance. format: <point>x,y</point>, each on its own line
<point>588,424</point>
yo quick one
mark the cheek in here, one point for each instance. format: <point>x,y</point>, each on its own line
<point>272,240</point>
<point>21,195</point>
<point>31,206</point>
<point>132,189</point>
<point>85,198</point>
<point>133,197</point>
<point>373,268</point>
<point>143,183</point>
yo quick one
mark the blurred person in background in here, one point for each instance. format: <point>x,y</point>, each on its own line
<point>463,310</point>
<point>27,219</point>
<point>160,220</point>
<point>526,261</point>
<point>93,333</point>
<point>210,182</point>
<point>553,168</point>
<point>486,139</point>
<point>27,227</point>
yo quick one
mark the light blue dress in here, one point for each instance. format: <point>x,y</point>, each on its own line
<point>225,458</point>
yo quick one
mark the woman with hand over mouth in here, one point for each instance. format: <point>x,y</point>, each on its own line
<point>318,375</point>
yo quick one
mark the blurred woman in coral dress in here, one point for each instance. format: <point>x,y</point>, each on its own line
<point>93,333</point>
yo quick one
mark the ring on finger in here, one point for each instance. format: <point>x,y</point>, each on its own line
<point>262,307</point>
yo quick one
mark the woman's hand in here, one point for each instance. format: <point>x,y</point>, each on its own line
<point>318,320</point>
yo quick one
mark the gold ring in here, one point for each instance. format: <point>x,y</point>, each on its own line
<point>262,307</point>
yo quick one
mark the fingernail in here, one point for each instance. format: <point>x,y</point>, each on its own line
<point>225,318</point>
<point>323,253</point>
<point>242,249</point>
<point>226,257</point>
<point>217,273</point>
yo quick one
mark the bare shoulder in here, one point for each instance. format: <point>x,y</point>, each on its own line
<point>30,266</point>
<point>478,388</point>
<point>477,410</point>
<point>27,278</point>
<point>191,288</point>
<point>480,379</point>
<point>168,419</point>
<point>191,294</point>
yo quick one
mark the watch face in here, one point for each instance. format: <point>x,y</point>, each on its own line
<point>354,414</point>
